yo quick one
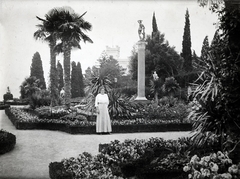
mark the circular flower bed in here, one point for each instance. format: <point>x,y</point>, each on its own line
<point>7,141</point>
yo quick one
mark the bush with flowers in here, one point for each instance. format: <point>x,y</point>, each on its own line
<point>214,166</point>
<point>133,158</point>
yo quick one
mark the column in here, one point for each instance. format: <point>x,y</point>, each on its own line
<point>141,71</point>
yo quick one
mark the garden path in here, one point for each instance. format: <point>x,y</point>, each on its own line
<point>35,149</point>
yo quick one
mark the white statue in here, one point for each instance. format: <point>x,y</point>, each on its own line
<point>141,30</point>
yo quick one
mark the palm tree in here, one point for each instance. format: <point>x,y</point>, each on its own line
<point>47,32</point>
<point>70,33</point>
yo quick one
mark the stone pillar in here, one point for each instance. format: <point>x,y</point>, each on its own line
<point>141,71</point>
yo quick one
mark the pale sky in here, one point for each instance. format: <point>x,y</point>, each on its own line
<point>114,23</point>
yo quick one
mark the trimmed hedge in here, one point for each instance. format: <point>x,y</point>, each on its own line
<point>7,141</point>
<point>4,106</point>
<point>57,171</point>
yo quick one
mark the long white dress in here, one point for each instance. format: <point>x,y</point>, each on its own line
<point>103,123</point>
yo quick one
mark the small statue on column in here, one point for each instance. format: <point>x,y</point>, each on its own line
<point>155,76</point>
<point>141,30</point>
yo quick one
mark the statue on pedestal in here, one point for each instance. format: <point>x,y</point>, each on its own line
<point>141,31</point>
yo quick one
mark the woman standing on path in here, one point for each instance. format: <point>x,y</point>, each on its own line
<point>103,123</point>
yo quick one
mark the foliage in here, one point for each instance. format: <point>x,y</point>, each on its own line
<point>186,45</point>
<point>88,166</point>
<point>57,171</point>
<point>120,106</point>
<point>46,32</point>
<point>94,88</point>
<point>217,100</point>
<point>167,112</point>
<point>214,166</point>
<point>7,141</point>
<point>132,158</point>
<point>37,70</point>
<point>47,112</point>
<point>40,98</point>
<point>170,86</point>
<point>60,115</point>
<point>60,76</point>
<point>74,81</point>
<point>67,27</point>
<point>110,67</point>
<point>28,87</point>
<point>81,83</point>
<point>160,57</point>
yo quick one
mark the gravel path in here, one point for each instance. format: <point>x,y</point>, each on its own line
<point>35,149</point>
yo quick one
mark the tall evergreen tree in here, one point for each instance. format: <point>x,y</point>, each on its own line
<point>80,77</point>
<point>154,26</point>
<point>60,76</point>
<point>37,70</point>
<point>205,48</point>
<point>74,81</point>
<point>186,45</point>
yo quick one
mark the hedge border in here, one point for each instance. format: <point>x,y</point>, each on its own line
<point>4,106</point>
<point>92,129</point>
<point>8,144</point>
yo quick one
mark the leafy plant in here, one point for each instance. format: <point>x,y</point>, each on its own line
<point>170,86</point>
<point>120,106</point>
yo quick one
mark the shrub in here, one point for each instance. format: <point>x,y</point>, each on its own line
<point>7,141</point>
<point>120,106</point>
<point>40,98</point>
<point>4,106</point>
<point>177,112</point>
<point>57,171</point>
<point>214,166</point>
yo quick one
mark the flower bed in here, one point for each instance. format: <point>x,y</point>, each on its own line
<point>26,120</point>
<point>216,165</point>
<point>7,141</point>
<point>153,158</point>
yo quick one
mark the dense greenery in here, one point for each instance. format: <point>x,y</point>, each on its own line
<point>60,76</point>
<point>7,141</point>
<point>63,29</point>
<point>152,158</point>
<point>186,45</point>
<point>217,101</point>
<point>81,82</point>
<point>46,32</point>
<point>37,70</point>
<point>35,96</point>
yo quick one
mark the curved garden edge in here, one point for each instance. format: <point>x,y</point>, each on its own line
<point>92,129</point>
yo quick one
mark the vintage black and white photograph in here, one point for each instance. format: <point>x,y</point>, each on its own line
<point>118,89</point>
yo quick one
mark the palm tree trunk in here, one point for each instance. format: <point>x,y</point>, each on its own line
<point>53,76</point>
<point>67,79</point>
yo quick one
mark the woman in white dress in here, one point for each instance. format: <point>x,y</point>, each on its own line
<point>103,123</point>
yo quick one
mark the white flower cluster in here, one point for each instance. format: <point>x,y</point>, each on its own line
<point>215,166</point>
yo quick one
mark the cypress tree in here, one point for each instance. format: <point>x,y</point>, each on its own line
<point>60,76</point>
<point>37,70</point>
<point>80,77</point>
<point>205,48</point>
<point>154,26</point>
<point>74,81</point>
<point>186,45</point>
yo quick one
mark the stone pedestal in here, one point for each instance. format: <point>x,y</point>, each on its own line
<point>141,72</point>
